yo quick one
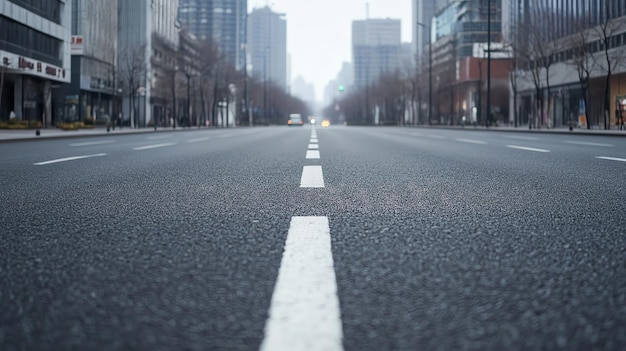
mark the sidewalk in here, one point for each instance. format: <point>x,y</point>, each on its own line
<point>7,135</point>
<point>614,131</point>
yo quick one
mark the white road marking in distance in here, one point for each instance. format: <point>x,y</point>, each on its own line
<point>312,177</point>
<point>93,143</point>
<point>312,154</point>
<point>197,140</point>
<point>611,158</point>
<point>73,158</point>
<point>304,312</point>
<point>148,147</point>
<point>585,143</point>
<point>314,146</point>
<point>525,148</point>
<point>470,141</point>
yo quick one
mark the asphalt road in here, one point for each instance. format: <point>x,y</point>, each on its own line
<point>441,239</point>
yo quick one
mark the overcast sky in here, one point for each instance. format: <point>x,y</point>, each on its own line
<point>319,32</point>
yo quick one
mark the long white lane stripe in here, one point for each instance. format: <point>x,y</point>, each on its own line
<point>525,148</point>
<point>312,177</point>
<point>470,141</point>
<point>147,147</point>
<point>198,140</point>
<point>304,313</point>
<point>314,146</point>
<point>312,154</point>
<point>611,158</point>
<point>93,143</point>
<point>589,144</point>
<point>67,159</point>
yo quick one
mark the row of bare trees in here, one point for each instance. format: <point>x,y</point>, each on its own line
<point>540,54</point>
<point>195,84</point>
<point>591,50</point>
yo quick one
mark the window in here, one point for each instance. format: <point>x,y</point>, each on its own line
<point>49,9</point>
<point>23,40</point>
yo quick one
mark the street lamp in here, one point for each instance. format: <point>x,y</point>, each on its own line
<point>188,75</point>
<point>430,73</point>
<point>265,74</point>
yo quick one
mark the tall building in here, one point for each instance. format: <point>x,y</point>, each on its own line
<point>94,61</point>
<point>570,33</point>
<point>466,22</point>
<point>423,13</point>
<point>267,43</point>
<point>148,40</point>
<point>223,21</point>
<point>463,30</point>
<point>34,58</point>
<point>376,48</point>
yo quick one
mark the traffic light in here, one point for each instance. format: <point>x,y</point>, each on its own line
<point>341,88</point>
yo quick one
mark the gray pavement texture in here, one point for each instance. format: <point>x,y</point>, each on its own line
<point>442,239</point>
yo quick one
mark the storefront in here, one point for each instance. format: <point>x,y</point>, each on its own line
<point>28,87</point>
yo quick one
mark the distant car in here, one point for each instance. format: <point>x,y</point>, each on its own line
<point>295,119</point>
<point>325,123</point>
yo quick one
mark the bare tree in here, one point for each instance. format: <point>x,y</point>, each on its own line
<point>583,61</point>
<point>611,58</point>
<point>132,75</point>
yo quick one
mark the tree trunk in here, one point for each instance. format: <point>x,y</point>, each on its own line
<point>607,100</point>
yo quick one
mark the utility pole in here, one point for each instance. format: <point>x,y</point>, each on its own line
<point>489,62</point>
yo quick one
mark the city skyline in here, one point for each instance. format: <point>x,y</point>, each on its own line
<point>319,38</point>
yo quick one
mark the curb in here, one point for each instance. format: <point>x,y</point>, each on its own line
<point>577,131</point>
<point>98,135</point>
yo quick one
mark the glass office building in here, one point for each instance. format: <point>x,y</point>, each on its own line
<point>223,21</point>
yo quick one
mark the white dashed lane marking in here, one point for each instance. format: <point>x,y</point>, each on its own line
<point>304,313</point>
<point>525,148</point>
<point>470,141</point>
<point>314,146</point>
<point>312,155</point>
<point>611,158</point>
<point>73,158</point>
<point>197,140</point>
<point>156,146</point>
<point>313,141</point>
<point>585,143</point>
<point>312,177</point>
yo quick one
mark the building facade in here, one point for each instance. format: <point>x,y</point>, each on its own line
<point>423,13</point>
<point>148,42</point>
<point>223,21</point>
<point>376,49</point>
<point>464,32</point>
<point>91,96</point>
<point>34,59</point>
<point>267,46</point>
<point>571,37</point>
